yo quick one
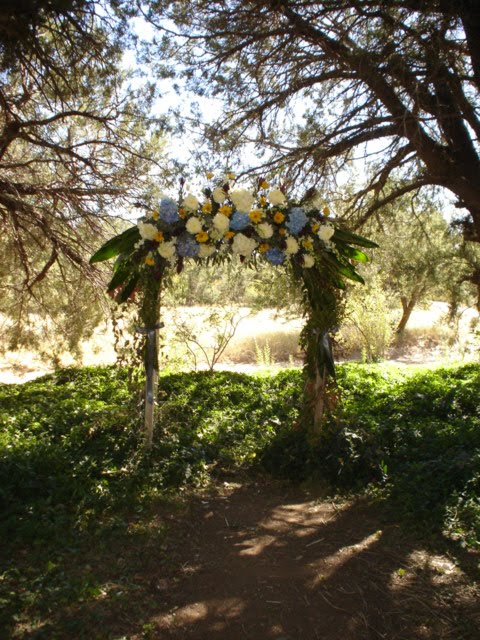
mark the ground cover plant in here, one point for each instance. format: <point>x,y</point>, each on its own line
<point>77,491</point>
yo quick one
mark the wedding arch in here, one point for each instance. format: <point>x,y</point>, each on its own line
<point>230,222</point>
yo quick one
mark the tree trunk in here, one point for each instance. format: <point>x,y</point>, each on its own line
<point>407,306</point>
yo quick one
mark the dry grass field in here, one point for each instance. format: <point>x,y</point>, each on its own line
<point>262,339</point>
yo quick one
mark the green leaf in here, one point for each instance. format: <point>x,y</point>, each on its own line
<point>325,355</point>
<point>128,289</point>
<point>123,242</point>
<point>123,271</point>
<point>353,238</point>
<point>352,253</point>
<point>344,268</point>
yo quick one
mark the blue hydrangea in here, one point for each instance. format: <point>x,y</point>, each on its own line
<point>296,220</point>
<point>275,256</point>
<point>168,211</point>
<point>239,221</point>
<point>187,247</point>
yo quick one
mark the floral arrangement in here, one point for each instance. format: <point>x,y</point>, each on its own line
<point>230,220</point>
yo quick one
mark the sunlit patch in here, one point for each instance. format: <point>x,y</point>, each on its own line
<point>332,563</point>
<point>301,519</point>
<point>256,546</point>
<point>440,569</point>
<point>217,611</point>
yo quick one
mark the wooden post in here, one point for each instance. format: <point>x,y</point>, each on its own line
<point>150,408</point>
<point>319,401</point>
<point>150,315</point>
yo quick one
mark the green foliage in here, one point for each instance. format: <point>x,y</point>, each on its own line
<point>419,258</point>
<point>71,441</point>
<point>71,446</point>
<point>368,321</point>
<point>123,242</point>
<point>66,307</point>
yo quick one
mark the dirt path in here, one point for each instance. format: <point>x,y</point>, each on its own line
<point>260,561</point>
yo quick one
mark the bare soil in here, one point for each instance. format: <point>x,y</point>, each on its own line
<point>261,561</point>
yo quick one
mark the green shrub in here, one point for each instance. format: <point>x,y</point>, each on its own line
<point>71,453</point>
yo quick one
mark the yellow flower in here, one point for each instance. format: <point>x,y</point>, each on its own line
<point>281,231</point>
<point>315,227</point>
<point>278,217</point>
<point>264,247</point>
<point>263,201</point>
<point>229,235</point>
<point>207,207</point>
<point>158,237</point>
<point>307,243</point>
<point>209,175</point>
<point>264,184</point>
<point>326,211</point>
<point>256,215</point>
<point>182,213</point>
<point>202,236</point>
<point>155,215</point>
<point>150,260</point>
<point>226,210</point>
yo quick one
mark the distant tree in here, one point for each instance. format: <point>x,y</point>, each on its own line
<point>316,84</point>
<point>60,310</point>
<point>416,254</point>
<point>464,281</point>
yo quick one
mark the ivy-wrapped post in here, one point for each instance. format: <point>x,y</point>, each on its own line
<point>150,318</point>
<point>321,300</point>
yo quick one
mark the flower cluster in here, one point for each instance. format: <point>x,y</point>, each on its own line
<point>250,224</point>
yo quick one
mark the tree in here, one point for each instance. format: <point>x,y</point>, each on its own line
<point>464,282</point>
<point>416,254</point>
<point>319,83</point>
<point>76,143</point>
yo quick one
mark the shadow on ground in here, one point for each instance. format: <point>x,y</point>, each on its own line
<point>261,561</point>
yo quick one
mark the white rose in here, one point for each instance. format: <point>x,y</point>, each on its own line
<point>219,195</point>
<point>167,249</point>
<point>243,246</point>
<point>242,199</point>
<point>325,232</point>
<point>193,226</point>
<point>308,261</point>
<point>221,222</point>
<point>276,197</point>
<point>265,230</point>
<point>205,250</point>
<point>190,203</point>
<point>292,246</point>
<point>147,231</point>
